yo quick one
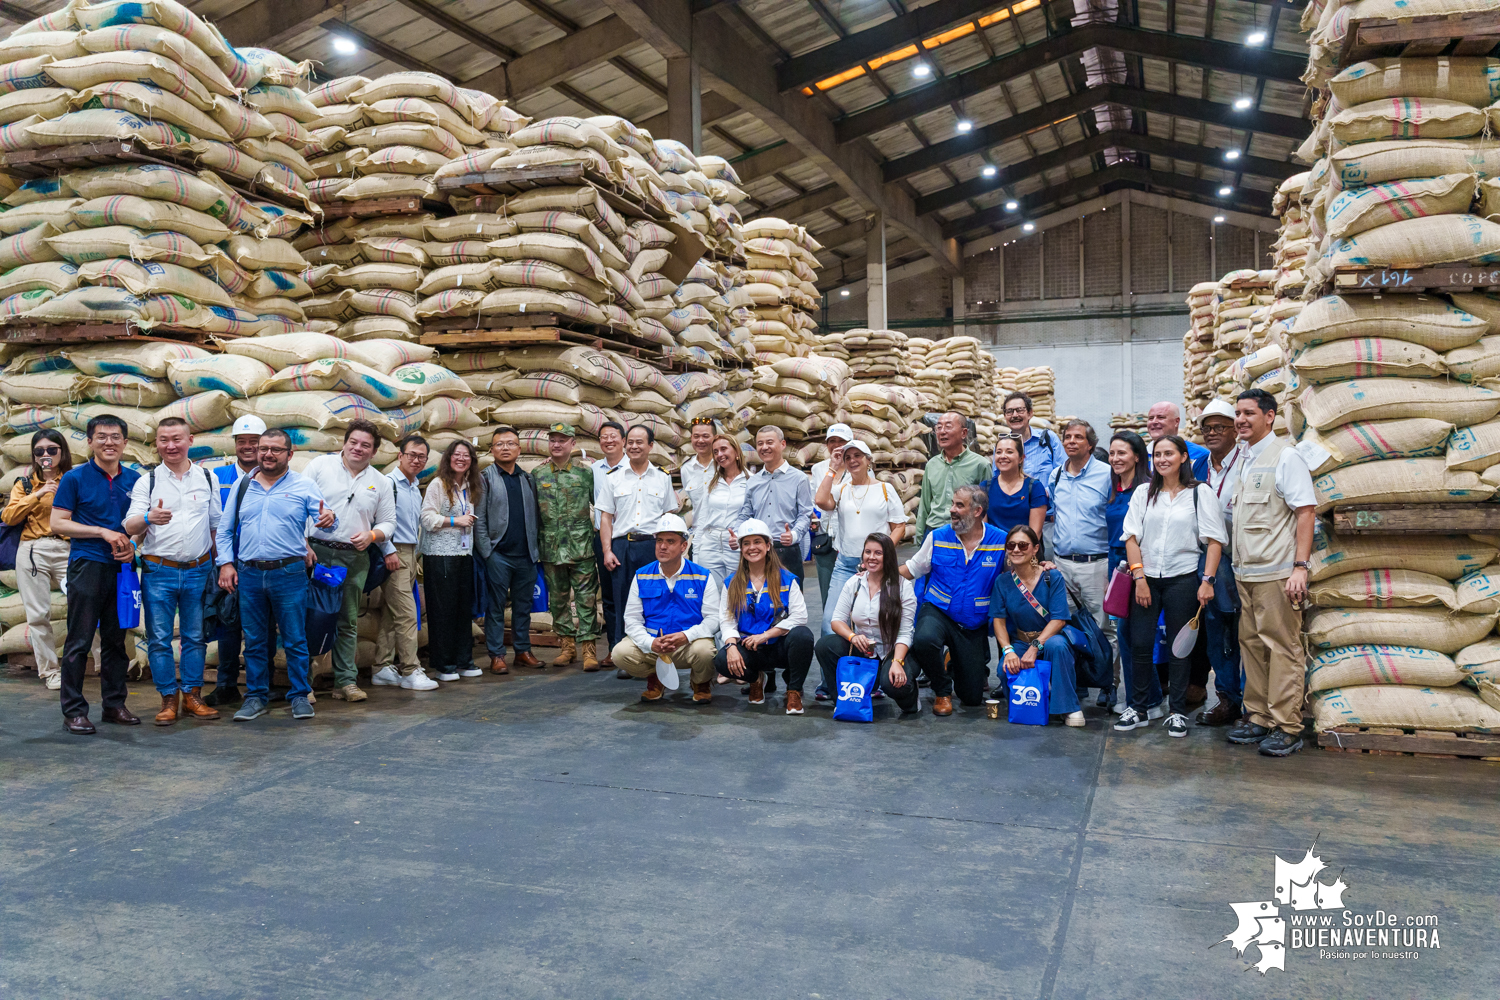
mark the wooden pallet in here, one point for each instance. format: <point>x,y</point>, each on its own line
<point>501,180</point>
<point>55,159</point>
<point>370,207</point>
<point>1447,278</point>
<point>1419,518</point>
<point>1473,34</point>
<point>22,332</point>
<point>536,328</point>
<point>1407,741</point>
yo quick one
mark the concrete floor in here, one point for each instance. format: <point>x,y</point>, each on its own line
<point>545,835</point>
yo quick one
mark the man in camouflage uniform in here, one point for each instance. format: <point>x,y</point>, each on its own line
<point>564,493</point>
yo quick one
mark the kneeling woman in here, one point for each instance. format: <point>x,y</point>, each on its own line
<point>1033,603</point>
<point>873,616</point>
<point>764,620</point>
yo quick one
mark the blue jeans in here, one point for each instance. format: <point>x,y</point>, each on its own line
<point>1127,674</point>
<point>1224,654</point>
<point>168,594</point>
<point>230,640</point>
<point>278,595</point>
<point>1063,697</point>
<point>844,569</point>
<point>512,580</point>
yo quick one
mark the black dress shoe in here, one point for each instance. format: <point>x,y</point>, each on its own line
<point>224,696</point>
<point>622,675</point>
<point>79,725</point>
<point>120,716</point>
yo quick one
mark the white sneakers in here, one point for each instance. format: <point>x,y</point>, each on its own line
<point>449,676</point>
<point>1075,719</point>
<point>54,683</point>
<point>471,672</point>
<point>418,680</point>
<point>386,677</point>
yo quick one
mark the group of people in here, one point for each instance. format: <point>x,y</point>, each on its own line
<point>1002,544</point>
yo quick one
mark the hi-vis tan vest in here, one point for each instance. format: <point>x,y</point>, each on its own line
<point>1265,528</point>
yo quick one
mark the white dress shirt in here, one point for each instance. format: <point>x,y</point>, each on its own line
<point>861,612</point>
<point>192,498</point>
<point>361,503</point>
<point>1167,530</point>
<point>602,470</point>
<point>695,480</point>
<point>721,509</point>
<point>408,507</point>
<point>1294,482</point>
<point>729,619</point>
<point>635,614</point>
<point>637,499</point>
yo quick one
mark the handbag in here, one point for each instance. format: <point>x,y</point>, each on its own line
<point>856,678</point>
<point>1030,690</point>
<point>377,574</point>
<point>10,534</point>
<point>128,597</point>
<point>539,602</point>
<point>1117,596</point>
<point>325,600</point>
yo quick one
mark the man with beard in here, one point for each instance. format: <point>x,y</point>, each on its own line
<point>960,560</point>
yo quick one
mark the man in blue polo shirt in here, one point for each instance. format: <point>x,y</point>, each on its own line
<point>90,506</point>
<point>1165,419</point>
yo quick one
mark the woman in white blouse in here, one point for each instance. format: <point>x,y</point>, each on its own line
<point>866,506</point>
<point>722,500</point>
<point>1171,520</point>
<point>873,617</point>
<point>447,547</point>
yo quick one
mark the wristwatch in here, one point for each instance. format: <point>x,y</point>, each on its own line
<point>1209,578</point>
<point>1300,564</point>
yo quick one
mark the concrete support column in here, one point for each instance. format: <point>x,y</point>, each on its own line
<point>875,311</point>
<point>685,103</point>
<point>958,306</point>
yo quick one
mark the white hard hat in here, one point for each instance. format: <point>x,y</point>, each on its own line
<point>671,522</point>
<point>841,431</point>
<point>753,526</point>
<point>1217,408</point>
<point>248,424</point>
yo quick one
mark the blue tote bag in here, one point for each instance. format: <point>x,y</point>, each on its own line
<point>856,682</point>
<point>128,597</point>
<point>1030,690</point>
<point>325,599</point>
<point>539,603</point>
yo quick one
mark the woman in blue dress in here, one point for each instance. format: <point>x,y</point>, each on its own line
<point>1015,498</point>
<point>1127,459</point>
<point>1029,607</point>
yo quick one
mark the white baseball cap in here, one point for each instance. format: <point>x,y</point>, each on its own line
<point>753,526</point>
<point>859,445</point>
<point>841,431</point>
<point>248,424</point>
<point>671,522</point>
<point>1217,408</point>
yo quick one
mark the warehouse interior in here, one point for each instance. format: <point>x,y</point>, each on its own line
<point>832,220</point>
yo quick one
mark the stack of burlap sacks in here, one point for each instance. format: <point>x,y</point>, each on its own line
<point>1242,317</point>
<point>779,277</point>
<point>798,395</point>
<point>881,403</point>
<point>1128,422</point>
<point>1198,346</point>
<point>1294,239</point>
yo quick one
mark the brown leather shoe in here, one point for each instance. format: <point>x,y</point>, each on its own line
<point>703,693</point>
<point>942,706</point>
<point>171,707</point>
<point>567,652</point>
<point>794,703</point>
<point>527,660</point>
<point>1197,694</point>
<point>497,665</point>
<point>758,690</point>
<point>194,706</point>
<point>654,690</point>
<point>120,716</point>
<point>1221,714</point>
<point>79,725</point>
<point>608,661</point>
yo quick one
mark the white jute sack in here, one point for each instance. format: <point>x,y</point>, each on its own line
<point>583,363</point>
<point>203,411</point>
<point>1479,360</point>
<point>140,425</point>
<point>320,410</point>
<point>1351,666</point>
<point>448,414</point>
<point>40,388</point>
<point>342,375</point>
<point>1447,556</point>
<point>1400,480</point>
<point>16,640</point>
<point>1441,239</point>
<point>1331,405</point>
<point>1368,357</point>
<point>150,214</point>
<point>149,359</point>
<point>1372,441</point>
<point>1471,80</point>
<point>238,376</point>
<point>1450,709</point>
<point>386,355</point>
<point>1369,163</point>
<point>1383,588</point>
<point>1358,210</point>
<point>1478,592</point>
<point>1430,118</point>
<point>154,278</point>
<point>536,413</point>
<point>13,612</point>
<point>1425,628</point>
<point>286,349</point>
<point>126,390</point>
<point>1430,322</point>
<point>1474,448</point>
<point>428,381</point>
<point>1481,665</point>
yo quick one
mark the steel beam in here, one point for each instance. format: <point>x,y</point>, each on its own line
<point>813,201</point>
<point>553,62</point>
<point>767,161</point>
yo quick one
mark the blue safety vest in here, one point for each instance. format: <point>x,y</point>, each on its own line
<point>227,476</point>
<point>962,589</point>
<point>668,611</point>
<point>761,615</point>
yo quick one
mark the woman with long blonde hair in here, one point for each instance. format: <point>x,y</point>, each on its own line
<point>763,622</point>
<point>447,548</point>
<point>712,547</point>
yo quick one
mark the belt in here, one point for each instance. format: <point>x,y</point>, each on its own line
<point>639,536</point>
<point>333,545</point>
<point>270,564</point>
<point>1082,559</point>
<point>173,564</point>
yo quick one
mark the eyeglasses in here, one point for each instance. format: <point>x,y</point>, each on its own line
<point>270,449</point>
<point>53,450</point>
<point>1015,411</point>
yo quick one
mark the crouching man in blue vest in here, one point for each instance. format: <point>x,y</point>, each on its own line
<point>960,561</point>
<point>671,614</point>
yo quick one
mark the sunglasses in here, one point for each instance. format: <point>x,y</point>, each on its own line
<point>1017,546</point>
<point>54,450</point>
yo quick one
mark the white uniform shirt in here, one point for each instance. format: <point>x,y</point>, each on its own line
<point>861,612</point>
<point>193,500</point>
<point>695,480</point>
<point>729,619</point>
<point>1294,483</point>
<point>637,499</point>
<point>635,613</point>
<point>361,503</point>
<point>602,471</point>
<point>1169,533</point>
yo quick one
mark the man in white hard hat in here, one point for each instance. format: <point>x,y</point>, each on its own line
<point>246,432</point>
<point>671,614</point>
<point>825,539</point>
<point>1226,458</point>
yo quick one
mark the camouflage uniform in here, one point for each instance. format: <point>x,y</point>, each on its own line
<point>566,541</point>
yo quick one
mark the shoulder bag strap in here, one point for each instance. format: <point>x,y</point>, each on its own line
<point>1030,597</point>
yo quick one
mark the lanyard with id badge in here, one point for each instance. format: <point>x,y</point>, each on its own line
<point>467,537</point>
